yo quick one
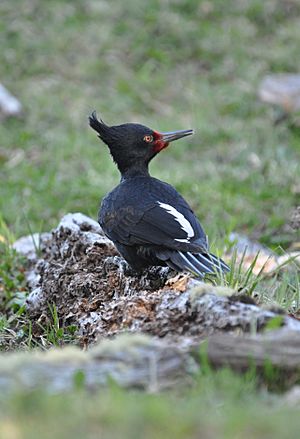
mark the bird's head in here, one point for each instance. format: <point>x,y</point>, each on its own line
<point>131,144</point>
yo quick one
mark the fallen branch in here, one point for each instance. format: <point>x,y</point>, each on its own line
<point>139,361</point>
<point>279,348</point>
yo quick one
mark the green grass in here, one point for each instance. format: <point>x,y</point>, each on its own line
<point>170,65</point>
<point>219,405</point>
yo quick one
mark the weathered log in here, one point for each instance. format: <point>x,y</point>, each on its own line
<point>139,361</point>
<point>280,348</point>
<point>129,360</point>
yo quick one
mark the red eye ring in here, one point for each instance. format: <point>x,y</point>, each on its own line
<point>148,139</point>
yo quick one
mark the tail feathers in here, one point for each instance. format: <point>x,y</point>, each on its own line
<point>198,264</point>
<point>217,263</point>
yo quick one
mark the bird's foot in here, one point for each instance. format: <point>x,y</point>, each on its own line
<point>116,262</point>
<point>155,277</point>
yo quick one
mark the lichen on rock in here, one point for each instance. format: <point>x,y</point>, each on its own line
<point>79,272</point>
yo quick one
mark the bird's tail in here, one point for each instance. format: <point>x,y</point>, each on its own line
<point>199,264</point>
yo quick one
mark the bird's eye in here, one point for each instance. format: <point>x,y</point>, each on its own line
<point>148,139</point>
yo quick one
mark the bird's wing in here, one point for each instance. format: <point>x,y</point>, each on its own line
<point>160,224</point>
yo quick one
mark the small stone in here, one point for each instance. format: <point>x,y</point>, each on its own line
<point>292,397</point>
<point>35,299</point>
<point>9,105</point>
<point>283,90</point>
<point>79,222</point>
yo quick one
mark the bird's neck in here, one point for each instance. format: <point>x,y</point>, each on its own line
<point>135,170</point>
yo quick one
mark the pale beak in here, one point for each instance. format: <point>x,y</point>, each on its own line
<point>175,135</point>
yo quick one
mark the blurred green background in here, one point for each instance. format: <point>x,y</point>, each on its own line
<point>169,64</point>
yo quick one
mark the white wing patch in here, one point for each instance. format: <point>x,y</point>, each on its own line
<point>184,223</point>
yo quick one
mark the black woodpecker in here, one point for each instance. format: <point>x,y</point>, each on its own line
<point>148,220</point>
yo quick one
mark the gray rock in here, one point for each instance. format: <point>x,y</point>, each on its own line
<point>77,222</point>
<point>281,89</point>
<point>29,245</point>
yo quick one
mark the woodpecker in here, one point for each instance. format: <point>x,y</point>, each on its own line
<point>149,222</point>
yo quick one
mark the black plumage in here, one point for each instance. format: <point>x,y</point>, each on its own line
<point>148,220</point>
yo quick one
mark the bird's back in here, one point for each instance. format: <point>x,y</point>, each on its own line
<point>144,200</point>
